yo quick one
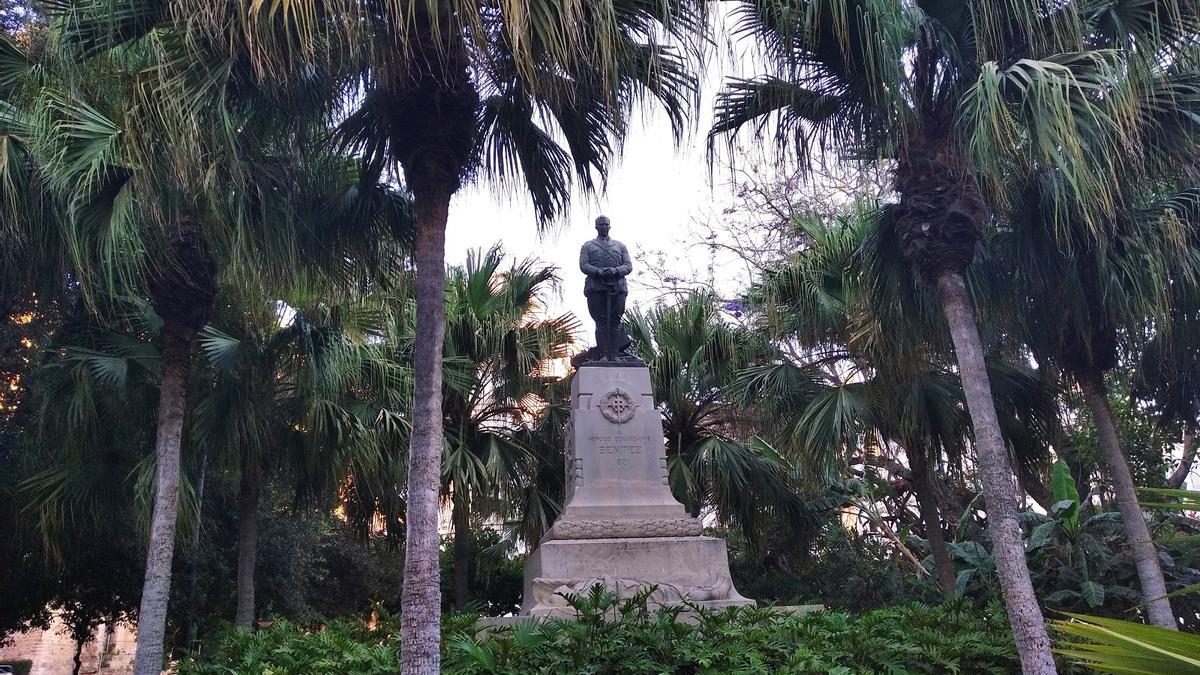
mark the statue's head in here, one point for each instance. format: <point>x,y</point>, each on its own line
<point>603,226</point>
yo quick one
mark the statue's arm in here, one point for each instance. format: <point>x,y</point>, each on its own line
<point>626,264</point>
<point>585,263</point>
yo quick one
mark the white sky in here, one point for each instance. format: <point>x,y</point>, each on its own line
<point>655,192</point>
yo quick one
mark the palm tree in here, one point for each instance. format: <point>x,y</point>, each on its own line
<point>872,373</point>
<point>497,351</point>
<point>79,131</point>
<point>448,89</point>
<point>955,96</point>
<point>1168,379</point>
<point>1083,301</point>
<point>267,409</point>
<point>714,458</point>
<point>165,169</point>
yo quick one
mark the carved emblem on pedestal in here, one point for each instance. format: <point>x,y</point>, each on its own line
<point>617,406</point>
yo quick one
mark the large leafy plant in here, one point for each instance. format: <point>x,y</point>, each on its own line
<point>1114,646</point>
<point>1079,558</point>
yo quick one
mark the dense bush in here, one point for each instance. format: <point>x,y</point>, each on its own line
<point>342,647</point>
<point>497,573</point>
<point>829,566</point>
<point>1079,559</point>
<point>311,566</point>
<point>614,636</point>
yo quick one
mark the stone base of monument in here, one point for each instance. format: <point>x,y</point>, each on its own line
<point>620,526</point>
<point>686,615</point>
<point>691,570</point>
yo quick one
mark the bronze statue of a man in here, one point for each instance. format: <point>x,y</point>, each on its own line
<point>606,263</point>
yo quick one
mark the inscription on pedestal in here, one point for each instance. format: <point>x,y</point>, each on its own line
<point>619,448</point>
<point>612,445</point>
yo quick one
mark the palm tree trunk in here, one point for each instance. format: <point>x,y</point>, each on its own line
<point>421,595</point>
<point>248,493</point>
<point>462,553</point>
<point>1179,476</point>
<point>182,292</point>
<point>189,635</point>
<point>931,517</point>
<point>999,483</point>
<point>175,351</point>
<point>1145,554</point>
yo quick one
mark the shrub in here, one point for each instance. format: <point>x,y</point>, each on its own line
<point>20,666</point>
<point>844,571</point>
<point>623,636</point>
<point>340,647</point>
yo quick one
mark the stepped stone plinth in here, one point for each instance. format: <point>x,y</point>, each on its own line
<point>620,525</point>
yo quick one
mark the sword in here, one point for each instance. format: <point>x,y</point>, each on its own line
<point>608,325</point>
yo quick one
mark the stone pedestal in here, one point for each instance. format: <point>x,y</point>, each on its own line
<point>620,525</point>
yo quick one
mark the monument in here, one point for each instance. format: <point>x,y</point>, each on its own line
<point>620,526</point>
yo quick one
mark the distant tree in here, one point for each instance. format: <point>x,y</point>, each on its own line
<point>272,404</point>
<point>499,354</point>
<point>714,458</point>
<point>1083,303</point>
<point>868,375</point>
<point>75,482</point>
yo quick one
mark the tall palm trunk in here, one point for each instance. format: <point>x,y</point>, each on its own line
<point>421,596</point>
<point>1145,554</point>
<point>189,635</point>
<point>462,552</point>
<point>248,495</point>
<point>999,483</point>
<point>182,293</point>
<point>1180,475</point>
<point>175,351</point>
<point>931,517</point>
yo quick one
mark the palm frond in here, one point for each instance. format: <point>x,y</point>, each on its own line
<point>1115,646</point>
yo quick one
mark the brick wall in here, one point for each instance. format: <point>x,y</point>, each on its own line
<point>110,652</point>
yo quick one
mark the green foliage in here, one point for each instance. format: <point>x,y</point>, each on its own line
<point>497,574</point>
<point>830,566</point>
<point>1115,646</point>
<point>68,503</point>
<point>1079,560</point>
<point>1066,498</point>
<point>1146,443</point>
<point>613,635</point>
<point>347,647</point>
<point>1093,571</point>
<point>311,566</point>
<point>1182,500</point>
<point>694,356</point>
